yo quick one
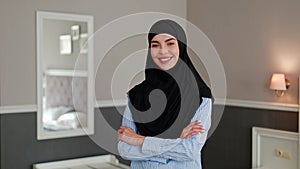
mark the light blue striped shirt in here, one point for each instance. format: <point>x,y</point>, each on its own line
<point>158,153</point>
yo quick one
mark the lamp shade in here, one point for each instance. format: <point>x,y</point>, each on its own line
<point>278,82</point>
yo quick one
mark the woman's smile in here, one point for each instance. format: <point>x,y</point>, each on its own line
<point>165,59</point>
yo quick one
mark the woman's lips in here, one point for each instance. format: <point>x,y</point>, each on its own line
<point>164,60</point>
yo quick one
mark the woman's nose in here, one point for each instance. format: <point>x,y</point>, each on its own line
<point>163,49</point>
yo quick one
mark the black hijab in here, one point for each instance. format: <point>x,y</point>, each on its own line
<point>166,101</point>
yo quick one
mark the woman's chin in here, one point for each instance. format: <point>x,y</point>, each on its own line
<point>166,66</point>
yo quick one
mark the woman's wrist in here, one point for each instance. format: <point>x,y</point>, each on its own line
<point>141,140</point>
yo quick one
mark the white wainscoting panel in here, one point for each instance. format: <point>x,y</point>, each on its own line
<point>266,141</point>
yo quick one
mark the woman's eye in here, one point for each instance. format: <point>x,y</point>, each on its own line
<point>170,44</point>
<point>154,45</point>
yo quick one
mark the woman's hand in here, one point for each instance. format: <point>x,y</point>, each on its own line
<point>127,135</point>
<point>191,130</point>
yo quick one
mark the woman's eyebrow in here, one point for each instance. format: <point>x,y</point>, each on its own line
<point>170,39</point>
<point>154,41</point>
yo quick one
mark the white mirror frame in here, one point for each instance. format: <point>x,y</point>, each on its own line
<point>89,130</point>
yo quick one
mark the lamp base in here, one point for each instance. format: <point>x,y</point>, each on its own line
<point>279,93</point>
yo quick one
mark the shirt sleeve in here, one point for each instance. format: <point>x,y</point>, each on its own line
<point>182,149</point>
<point>162,150</point>
<point>130,152</point>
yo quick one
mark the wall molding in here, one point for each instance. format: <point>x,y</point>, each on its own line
<point>111,103</point>
<point>18,109</point>
<point>122,102</point>
<point>259,105</point>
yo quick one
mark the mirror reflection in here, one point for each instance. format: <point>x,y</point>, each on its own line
<point>64,100</point>
<point>65,106</point>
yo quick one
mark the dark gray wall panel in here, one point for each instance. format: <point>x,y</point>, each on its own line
<point>230,146</point>
<point>20,147</point>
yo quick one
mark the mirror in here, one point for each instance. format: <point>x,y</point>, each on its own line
<point>64,75</point>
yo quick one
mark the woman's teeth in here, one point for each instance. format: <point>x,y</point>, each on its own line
<point>165,59</point>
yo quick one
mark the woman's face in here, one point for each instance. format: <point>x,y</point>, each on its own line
<point>164,51</point>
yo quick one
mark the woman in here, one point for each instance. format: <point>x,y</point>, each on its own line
<point>161,124</point>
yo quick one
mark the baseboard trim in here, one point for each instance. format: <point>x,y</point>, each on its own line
<point>121,102</point>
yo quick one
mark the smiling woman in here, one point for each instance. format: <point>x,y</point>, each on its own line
<point>166,122</point>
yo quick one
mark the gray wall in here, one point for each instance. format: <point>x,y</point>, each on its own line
<point>20,148</point>
<point>18,39</point>
<point>254,39</point>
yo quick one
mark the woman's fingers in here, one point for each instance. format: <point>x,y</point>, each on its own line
<point>192,134</point>
<point>124,127</point>
<point>126,131</point>
<point>195,123</point>
<point>194,126</point>
<point>123,131</point>
<point>197,128</point>
<point>192,129</point>
<point>127,135</point>
<point>187,128</point>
